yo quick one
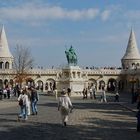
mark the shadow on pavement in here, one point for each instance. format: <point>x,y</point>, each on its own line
<point>100,130</point>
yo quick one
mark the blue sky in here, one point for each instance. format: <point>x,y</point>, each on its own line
<point>97,29</point>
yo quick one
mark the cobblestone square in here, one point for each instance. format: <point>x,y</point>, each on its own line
<point>89,120</point>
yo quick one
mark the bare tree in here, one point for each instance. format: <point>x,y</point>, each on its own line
<point>22,63</point>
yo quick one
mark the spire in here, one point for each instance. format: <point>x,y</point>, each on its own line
<point>132,51</point>
<point>4,49</point>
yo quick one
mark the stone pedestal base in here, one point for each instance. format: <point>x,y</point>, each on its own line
<point>72,78</point>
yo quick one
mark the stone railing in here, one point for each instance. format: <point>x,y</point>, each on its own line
<point>102,71</point>
<point>84,71</point>
<point>46,71</point>
<point>31,71</point>
<point>7,71</point>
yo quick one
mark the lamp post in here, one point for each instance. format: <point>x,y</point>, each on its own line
<point>133,81</point>
<point>133,91</point>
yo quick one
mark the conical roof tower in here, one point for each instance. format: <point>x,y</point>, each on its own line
<point>131,57</point>
<point>4,49</point>
<point>6,58</point>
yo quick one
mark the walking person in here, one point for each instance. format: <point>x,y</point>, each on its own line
<point>56,93</point>
<point>103,95</point>
<point>91,93</point>
<point>86,93</point>
<point>28,92</point>
<point>18,90</point>
<point>94,92</point>
<point>23,101</point>
<point>69,92</point>
<point>34,100</point>
<point>84,90</point>
<point>117,97</point>
<point>4,93</point>
<point>64,106</point>
<point>8,92</point>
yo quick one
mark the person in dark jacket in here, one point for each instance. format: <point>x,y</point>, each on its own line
<point>117,97</point>
<point>34,100</point>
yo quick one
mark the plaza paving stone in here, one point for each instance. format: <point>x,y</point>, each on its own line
<point>90,120</point>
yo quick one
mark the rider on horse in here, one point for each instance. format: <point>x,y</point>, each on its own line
<point>71,56</point>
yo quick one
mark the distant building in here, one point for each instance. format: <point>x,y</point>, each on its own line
<point>74,77</point>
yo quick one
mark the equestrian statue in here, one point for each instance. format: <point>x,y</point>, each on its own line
<point>71,56</point>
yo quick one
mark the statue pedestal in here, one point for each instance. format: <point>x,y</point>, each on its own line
<point>72,78</point>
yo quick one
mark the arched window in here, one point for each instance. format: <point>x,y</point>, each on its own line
<point>39,85</point>
<point>112,85</point>
<point>50,85</point>
<point>92,83</point>
<point>7,65</point>
<point>1,65</point>
<point>1,84</point>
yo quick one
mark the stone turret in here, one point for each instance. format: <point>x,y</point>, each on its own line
<point>131,59</point>
<point>6,58</point>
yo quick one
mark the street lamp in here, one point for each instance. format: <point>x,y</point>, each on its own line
<point>133,81</point>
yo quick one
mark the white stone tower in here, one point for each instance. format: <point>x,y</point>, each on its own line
<point>6,58</point>
<point>131,59</point>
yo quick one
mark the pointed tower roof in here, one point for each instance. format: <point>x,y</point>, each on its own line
<point>132,51</point>
<point>4,49</point>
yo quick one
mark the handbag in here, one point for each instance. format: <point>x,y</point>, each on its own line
<point>21,102</point>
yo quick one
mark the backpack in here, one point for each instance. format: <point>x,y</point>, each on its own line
<point>21,102</point>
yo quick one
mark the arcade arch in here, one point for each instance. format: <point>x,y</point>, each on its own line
<point>92,82</point>
<point>101,84</point>
<point>39,85</point>
<point>111,85</point>
<point>30,82</point>
<point>7,65</point>
<point>50,85</point>
<point>1,65</point>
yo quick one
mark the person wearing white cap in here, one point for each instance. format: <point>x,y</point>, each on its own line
<point>64,106</point>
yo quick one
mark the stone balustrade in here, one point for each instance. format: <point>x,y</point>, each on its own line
<point>102,71</point>
<point>83,71</point>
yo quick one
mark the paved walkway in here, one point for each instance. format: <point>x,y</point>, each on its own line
<point>89,120</point>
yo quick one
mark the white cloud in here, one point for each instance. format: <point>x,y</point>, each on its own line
<point>105,15</point>
<point>32,12</point>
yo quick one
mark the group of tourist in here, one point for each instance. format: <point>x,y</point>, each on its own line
<point>27,99</point>
<point>5,93</point>
<point>92,93</point>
